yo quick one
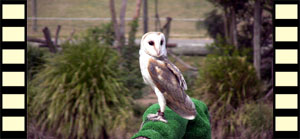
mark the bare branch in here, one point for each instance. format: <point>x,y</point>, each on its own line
<point>182,62</point>
<point>268,94</point>
<point>71,36</point>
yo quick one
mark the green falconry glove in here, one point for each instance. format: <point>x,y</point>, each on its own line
<point>177,127</point>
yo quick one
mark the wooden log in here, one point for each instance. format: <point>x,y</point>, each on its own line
<point>46,45</point>
<point>171,45</point>
<point>191,49</point>
<point>49,42</point>
<point>30,39</point>
<point>43,45</point>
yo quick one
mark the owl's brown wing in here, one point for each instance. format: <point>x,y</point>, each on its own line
<point>176,72</point>
<point>171,86</point>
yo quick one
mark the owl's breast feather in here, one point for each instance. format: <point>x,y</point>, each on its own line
<point>144,60</point>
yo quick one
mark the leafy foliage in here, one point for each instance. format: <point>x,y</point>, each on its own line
<point>221,48</point>
<point>130,64</point>
<point>132,77</point>
<point>79,92</point>
<point>214,24</point>
<point>36,58</point>
<point>228,81</point>
<point>134,26</point>
<point>244,9</point>
<point>253,120</point>
<point>104,35</point>
<point>225,83</point>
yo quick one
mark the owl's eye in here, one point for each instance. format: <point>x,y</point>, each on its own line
<point>161,42</point>
<point>151,43</point>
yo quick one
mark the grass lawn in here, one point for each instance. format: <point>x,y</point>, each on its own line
<point>98,8</point>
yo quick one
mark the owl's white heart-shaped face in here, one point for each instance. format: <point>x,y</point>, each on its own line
<point>153,44</point>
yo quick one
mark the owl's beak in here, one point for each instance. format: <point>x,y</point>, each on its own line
<point>157,51</point>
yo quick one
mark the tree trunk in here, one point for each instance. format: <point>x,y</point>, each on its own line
<point>134,24</point>
<point>157,21</point>
<point>166,29</point>
<point>103,134</point>
<point>226,32</point>
<point>145,17</point>
<point>137,9</point>
<point>115,23</point>
<point>122,22</point>
<point>34,13</point>
<point>256,36</point>
<point>234,29</point>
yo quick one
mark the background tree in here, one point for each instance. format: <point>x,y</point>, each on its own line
<point>130,56</point>
<point>34,13</point>
<point>230,8</point>
<point>119,29</point>
<point>145,16</point>
<point>256,37</point>
<point>134,24</point>
<point>157,21</point>
<point>253,29</point>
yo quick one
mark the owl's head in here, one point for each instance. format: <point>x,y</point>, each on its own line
<point>154,44</point>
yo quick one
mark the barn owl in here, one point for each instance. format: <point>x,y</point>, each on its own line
<point>164,78</point>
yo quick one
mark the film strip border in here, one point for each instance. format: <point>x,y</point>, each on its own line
<point>286,68</point>
<point>13,76</point>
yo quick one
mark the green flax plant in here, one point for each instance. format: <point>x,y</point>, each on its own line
<point>79,93</point>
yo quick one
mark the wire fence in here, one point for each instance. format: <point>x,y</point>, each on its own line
<point>180,27</point>
<point>108,19</point>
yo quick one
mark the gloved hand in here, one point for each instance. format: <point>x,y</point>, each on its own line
<point>177,127</point>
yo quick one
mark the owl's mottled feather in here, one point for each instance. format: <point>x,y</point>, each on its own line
<point>169,80</point>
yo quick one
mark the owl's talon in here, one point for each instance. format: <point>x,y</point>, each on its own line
<point>156,117</point>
